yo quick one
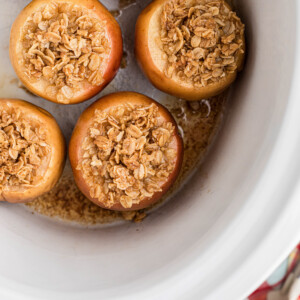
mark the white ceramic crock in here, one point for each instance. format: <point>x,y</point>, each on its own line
<point>223,233</point>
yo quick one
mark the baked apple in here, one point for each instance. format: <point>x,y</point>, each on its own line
<point>125,151</point>
<point>32,151</point>
<point>65,51</point>
<point>190,49</point>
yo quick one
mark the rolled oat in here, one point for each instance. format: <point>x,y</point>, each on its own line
<point>202,40</point>
<point>66,46</point>
<point>127,155</point>
<point>23,150</point>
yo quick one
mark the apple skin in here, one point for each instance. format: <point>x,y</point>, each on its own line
<point>81,130</point>
<point>157,77</point>
<point>114,35</point>
<point>54,139</point>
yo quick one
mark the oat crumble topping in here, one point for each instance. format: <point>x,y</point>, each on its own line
<point>201,39</point>
<point>23,150</point>
<point>66,46</point>
<point>127,155</point>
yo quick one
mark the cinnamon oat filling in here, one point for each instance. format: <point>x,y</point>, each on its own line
<point>202,40</point>
<point>67,47</point>
<point>128,154</point>
<point>24,154</point>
